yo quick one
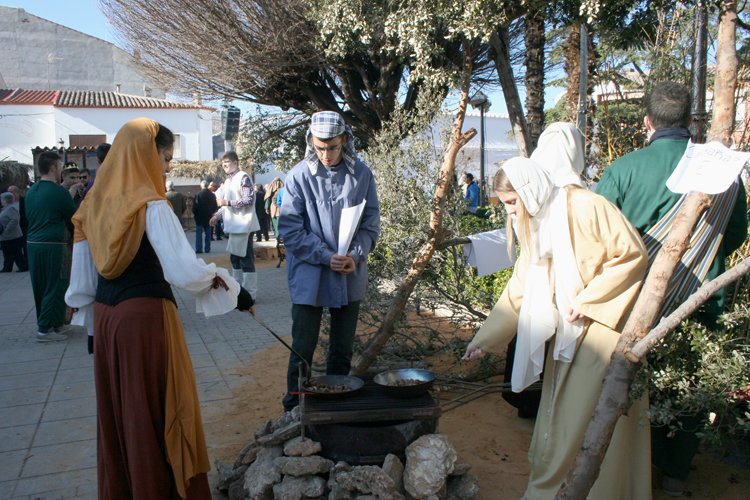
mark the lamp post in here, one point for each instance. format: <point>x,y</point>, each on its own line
<point>482,103</point>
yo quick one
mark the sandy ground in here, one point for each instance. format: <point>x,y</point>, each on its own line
<point>486,432</point>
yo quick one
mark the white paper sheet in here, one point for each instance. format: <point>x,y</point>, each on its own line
<point>348,226</point>
<point>488,252</point>
<point>708,168</point>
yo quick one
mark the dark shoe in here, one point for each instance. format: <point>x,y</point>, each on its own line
<point>23,270</point>
<point>6,270</point>
<point>199,251</point>
<point>218,239</point>
<point>208,251</point>
<point>526,413</point>
<point>671,486</point>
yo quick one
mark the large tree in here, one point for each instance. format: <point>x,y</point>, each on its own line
<point>364,59</point>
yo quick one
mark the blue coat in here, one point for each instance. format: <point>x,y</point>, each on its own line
<point>309,224</point>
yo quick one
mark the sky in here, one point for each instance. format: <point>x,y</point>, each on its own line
<point>85,16</point>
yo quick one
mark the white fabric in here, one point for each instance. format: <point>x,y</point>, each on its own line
<point>552,255</point>
<point>560,153</point>
<point>237,244</point>
<point>82,289</point>
<point>179,263</point>
<point>250,283</point>
<point>182,268</point>
<point>488,252</point>
<point>238,219</point>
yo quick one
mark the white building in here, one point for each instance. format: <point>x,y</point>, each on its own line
<point>51,119</point>
<point>38,54</point>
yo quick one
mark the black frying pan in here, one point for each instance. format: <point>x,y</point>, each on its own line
<point>329,380</point>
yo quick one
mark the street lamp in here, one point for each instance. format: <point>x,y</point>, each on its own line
<point>482,103</point>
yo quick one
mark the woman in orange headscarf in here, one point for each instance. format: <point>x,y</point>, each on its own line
<point>129,247</point>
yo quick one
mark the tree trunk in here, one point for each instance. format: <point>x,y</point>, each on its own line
<point>722,122</point>
<point>613,400</point>
<point>499,42</point>
<point>572,65</point>
<point>698,87</point>
<point>533,31</point>
<point>436,236</point>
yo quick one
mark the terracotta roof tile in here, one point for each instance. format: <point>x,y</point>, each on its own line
<point>90,99</point>
<point>19,96</point>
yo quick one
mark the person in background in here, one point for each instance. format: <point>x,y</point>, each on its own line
<point>20,202</point>
<point>637,184</point>
<point>176,200</point>
<point>70,179</point>
<point>219,227</point>
<point>129,248</point>
<point>472,192</point>
<point>204,207</point>
<point>237,210</point>
<point>271,206</point>
<point>317,190</point>
<point>49,208</point>
<point>11,235</point>
<point>260,210</point>
<point>84,179</point>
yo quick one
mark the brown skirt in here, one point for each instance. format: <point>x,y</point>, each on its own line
<point>130,369</point>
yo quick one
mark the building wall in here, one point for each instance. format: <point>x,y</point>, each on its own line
<point>41,55</point>
<point>23,127</point>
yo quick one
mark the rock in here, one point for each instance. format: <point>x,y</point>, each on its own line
<point>264,430</point>
<point>281,435</point>
<point>395,469</point>
<point>262,474</point>
<point>224,471</point>
<point>303,466</point>
<point>369,479</point>
<point>368,497</point>
<point>286,419</point>
<point>244,452</point>
<point>429,460</point>
<point>301,447</point>
<point>335,471</point>
<point>460,468</point>
<point>251,455</point>
<point>297,488</point>
<point>338,492</point>
<point>463,488</point>
<point>228,476</point>
<point>237,490</point>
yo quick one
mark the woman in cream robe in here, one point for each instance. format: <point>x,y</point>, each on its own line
<point>611,261</point>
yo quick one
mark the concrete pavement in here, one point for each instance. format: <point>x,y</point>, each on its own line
<point>47,394</point>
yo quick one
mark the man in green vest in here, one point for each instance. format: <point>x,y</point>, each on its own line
<point>636,183</point>
<point>49,208</point>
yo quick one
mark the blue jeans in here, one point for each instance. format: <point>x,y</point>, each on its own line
<point>305,331</point>
<point>198,237</point>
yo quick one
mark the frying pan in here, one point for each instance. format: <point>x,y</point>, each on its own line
<point>384,380</point>
<point>353,382</point>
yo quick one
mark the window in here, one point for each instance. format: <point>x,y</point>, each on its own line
<point>177,146</point>
<point>86,141</point>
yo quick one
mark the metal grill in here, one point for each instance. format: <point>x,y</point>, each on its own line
<point>367,405</point>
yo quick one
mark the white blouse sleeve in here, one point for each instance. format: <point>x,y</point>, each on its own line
<point>182,268</point>
<point>82,289</point>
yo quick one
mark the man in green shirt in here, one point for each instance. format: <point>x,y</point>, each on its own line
<point>49,208</point>
<point>636,183</point>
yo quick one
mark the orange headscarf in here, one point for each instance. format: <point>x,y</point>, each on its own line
<point>112,217</point>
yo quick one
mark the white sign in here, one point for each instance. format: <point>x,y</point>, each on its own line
<point>348,226</point>
<point>707,168</point>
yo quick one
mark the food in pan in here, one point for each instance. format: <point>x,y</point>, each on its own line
<point>405,382</point>
<point>328,389</point>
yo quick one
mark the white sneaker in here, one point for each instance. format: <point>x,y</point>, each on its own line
<point>63,329</point>
<point>50,337</point>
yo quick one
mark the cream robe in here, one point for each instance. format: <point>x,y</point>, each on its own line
<point>612,262</point>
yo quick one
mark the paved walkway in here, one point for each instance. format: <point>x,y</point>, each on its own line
<point>47,395</point>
